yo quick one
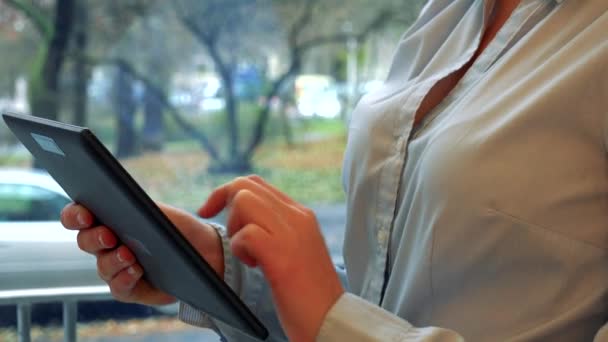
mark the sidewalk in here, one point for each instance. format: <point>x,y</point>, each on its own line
<point>198,335</point>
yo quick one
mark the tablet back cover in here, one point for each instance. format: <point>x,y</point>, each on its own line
<point>92,177</point>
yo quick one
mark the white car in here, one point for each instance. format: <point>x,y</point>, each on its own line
<point>324,103</point>
<point>35,250</point>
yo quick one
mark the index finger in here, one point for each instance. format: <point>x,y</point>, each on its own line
<point>274,190</point>
<point>216,202</point>
<point>75,216</point>
<point>223,196</point>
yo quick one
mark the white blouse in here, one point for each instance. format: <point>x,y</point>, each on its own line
<point>489,220</point>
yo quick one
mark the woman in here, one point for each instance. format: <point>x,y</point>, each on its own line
<point>476,188</point>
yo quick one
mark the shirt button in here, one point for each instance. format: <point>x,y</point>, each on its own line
<point>382,236</point>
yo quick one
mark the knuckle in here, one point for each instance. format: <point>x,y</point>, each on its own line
<point>232,230</point>
<point>81,240</point>
<point>105,266</point>
<point>121,288</point>
<point>87,241</point>
<point>245,235</point>
<point>240,240</point>
<point>310,217</point>
<point>117,293</point>
<point>103,277</point>
<point>238,179</point>
<point>255,177</point>
<point>240,182</point>
<point>63,215</point>
<point>68,214</point>
<point>101,274</point>
<point>101,269</point>
<point>308,213</point>
<point>313,220</point>
<point>242,196</point>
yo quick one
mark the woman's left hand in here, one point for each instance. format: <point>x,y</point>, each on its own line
<point>270,230</point>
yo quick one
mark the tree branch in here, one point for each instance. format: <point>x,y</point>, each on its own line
<point>126,67</point>
<point>264,113</point>
<point>296,51</point>
<point>41,23</point>
<point>301,23</point>
<point>379,21</point>
<point>225,70</point>
<point>294,66</point>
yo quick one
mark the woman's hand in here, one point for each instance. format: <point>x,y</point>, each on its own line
<point>117,265</point>
<point>282,237</point>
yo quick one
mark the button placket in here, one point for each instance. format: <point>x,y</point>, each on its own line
<point>382,237</point>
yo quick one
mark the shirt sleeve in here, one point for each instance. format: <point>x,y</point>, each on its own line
<point>249,284</point>
<point>356,320</point>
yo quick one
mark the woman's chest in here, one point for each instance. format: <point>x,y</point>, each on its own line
<point>544,163</point>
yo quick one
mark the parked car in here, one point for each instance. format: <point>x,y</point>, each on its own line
<point>317,95</point>
<point>35,250</point>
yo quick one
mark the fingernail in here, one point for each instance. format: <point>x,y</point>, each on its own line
<point>102,243</point>
<point>132,271</point>
<point>119,257</point>
<point>81,220</point>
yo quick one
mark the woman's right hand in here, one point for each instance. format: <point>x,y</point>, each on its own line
<point>117,265</point>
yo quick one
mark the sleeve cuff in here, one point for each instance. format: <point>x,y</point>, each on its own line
<point>249,284</point>
<point>231,265</point>
<point>195,317</point>
<point>232,277</point>
<point>236,274</point>
<point>354,319</point>
<point>360,320</point>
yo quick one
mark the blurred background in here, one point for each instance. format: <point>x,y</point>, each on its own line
<point>187,94</point>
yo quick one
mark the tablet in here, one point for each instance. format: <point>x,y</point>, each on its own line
<point>91,176</point>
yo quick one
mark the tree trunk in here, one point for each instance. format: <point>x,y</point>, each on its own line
<point>264,112</point>
<point>152,137</point>
<point>231,112</point>
<point>227,73</point>
<point>286,102</point>
<point>238,166</point>
<point>234,161</point>
<point>81,71</point>
<point>45,95</point>
<point>125,106</point>
<point>44,89</point>
<point>152,134</point>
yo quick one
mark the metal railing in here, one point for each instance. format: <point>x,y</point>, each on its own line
<point>69,296</point>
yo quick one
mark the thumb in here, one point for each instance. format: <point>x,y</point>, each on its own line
<point>251,244</point>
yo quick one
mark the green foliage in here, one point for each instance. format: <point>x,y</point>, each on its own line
<point>307,186</point>
<point>319,127</point>
<point>41,22</point>
<point>15,160</point>
<point>340,62</point>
